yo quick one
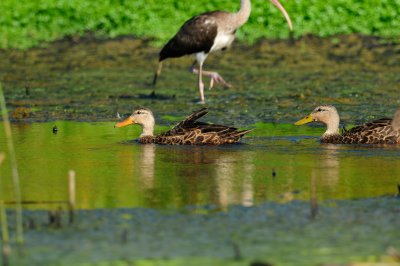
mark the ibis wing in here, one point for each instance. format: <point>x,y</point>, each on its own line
<point>196,35</point>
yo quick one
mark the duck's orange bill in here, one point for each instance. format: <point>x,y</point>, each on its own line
<point>305,120</point>
<point>126,122</point>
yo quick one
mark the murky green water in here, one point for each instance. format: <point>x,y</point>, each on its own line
<point>276,162</point>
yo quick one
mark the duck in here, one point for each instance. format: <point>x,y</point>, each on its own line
<point>380,131</point>
<point>187,132</point>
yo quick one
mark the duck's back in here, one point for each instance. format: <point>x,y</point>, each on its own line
<point>192,132</point>
<point>378,131</point>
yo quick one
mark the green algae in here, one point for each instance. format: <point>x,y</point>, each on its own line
<point>274,81</point>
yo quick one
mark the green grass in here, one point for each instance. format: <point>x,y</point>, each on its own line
<point>24,24</point>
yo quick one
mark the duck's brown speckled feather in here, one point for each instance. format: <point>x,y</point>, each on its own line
<point>375,132</point>
<point>192,132</point>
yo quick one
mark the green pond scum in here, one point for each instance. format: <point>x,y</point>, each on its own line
<point>274,81</point>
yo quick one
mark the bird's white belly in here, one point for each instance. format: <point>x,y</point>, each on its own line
<point>223,40</point>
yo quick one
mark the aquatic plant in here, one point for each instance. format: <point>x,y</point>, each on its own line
<point>29,23</point>
<point>15,174</point>
<point>4,233</point>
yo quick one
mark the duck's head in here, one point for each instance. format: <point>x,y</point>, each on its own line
<point>143,117</point>
<point>326,114</point>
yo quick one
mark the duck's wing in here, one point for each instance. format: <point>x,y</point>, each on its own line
<point>188,123</point>
<point>370,126</point>
<point>197,137</point>
<point>192,132</point>
<point>377,131</point>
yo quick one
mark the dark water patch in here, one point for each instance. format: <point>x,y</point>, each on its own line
<point>282,234</point>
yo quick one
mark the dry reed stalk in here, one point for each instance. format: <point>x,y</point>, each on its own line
<point>71,195</point>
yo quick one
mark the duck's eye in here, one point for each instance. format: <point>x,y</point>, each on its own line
<point>319,110</point>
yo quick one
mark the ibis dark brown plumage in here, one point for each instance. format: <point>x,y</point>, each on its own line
<point>207,33</point>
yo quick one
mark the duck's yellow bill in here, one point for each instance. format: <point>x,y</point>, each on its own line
<point>305,120</point>
<point>126,122</point>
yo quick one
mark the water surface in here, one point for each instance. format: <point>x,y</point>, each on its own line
<point>277,162</point>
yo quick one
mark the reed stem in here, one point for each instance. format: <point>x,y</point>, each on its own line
<point>15,174</point>
<point>71,195</point>
<point>4,227</point>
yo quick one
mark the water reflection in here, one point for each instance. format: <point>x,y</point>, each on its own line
<point>325,172</point>
<point>327,165</point>
<point>147,164</point>
<point>212,175</point>
<point>226,180</point>
<point>114,172</point>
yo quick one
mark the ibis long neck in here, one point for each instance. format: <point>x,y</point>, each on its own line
<point>243,14</point>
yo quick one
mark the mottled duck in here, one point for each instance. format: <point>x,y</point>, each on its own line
<point>381,131</point>
<point>188,132</point>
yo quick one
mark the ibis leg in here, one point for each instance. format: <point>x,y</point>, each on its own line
<point>215,78</point>
<point>157,74</point>
<point>201,84</point>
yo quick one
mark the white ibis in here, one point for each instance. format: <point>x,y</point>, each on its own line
<point>206,33</point>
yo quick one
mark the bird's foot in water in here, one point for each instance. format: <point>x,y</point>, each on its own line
<point>215,78</point>
<point>218,79</point>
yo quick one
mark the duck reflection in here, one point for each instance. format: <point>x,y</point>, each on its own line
<point>326,172</point>
<point>233,185</point>
<point>327,166</point>
<point>147,163</point>
<point>195,176</point>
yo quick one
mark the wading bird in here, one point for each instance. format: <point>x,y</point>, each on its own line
<point>381,131</point>
<point>188,132</point>
<point>207,33</point>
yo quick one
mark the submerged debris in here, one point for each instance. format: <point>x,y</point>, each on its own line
<point>55,218</point>
<point>21,113</point>
<point>260,263</point>
<point>398,190</point>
